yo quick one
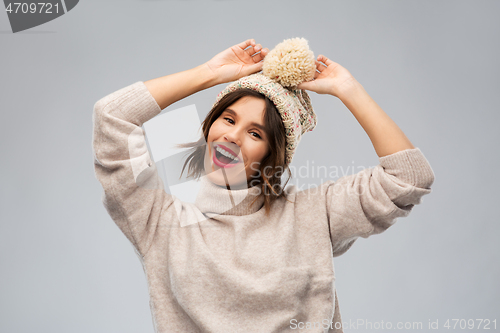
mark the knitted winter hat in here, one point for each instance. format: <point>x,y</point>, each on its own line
<point>286,66</point>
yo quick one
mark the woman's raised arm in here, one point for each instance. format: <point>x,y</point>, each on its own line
<point>387,138</point>
<point>370,201</point>
<point>171,88</point>
<point>229,65</point>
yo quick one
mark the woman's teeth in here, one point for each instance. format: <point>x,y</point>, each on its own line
<point>225,153</point>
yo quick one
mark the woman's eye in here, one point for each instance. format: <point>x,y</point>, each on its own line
<point>229,120</point>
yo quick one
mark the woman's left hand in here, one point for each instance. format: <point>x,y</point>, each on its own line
<point>332,79</point>
<point>237,61</point>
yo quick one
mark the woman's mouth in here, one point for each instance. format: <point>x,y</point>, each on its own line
<point>222,158</point>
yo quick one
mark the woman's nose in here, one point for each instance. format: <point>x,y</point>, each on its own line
<point>233,137</point>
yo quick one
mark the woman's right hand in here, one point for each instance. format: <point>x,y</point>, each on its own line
<point>236,62</point>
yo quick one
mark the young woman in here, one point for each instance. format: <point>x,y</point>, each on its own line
<point>260,259</point>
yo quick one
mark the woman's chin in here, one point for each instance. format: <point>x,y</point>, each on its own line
<point>234,176</point>
<point>234,181</point>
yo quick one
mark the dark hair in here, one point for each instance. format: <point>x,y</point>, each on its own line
<point>271,167</point>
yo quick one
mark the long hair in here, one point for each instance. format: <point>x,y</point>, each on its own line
<point>271,167</point>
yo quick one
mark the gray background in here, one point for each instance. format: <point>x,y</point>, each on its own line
<point>431,65</point>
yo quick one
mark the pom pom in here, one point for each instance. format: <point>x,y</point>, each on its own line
<point>290,63</point>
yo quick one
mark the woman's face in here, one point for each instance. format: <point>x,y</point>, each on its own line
<point>238,132</point>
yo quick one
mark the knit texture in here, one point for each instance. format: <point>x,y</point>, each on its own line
<point>290,63</point>
<point>240,270</point>
<point>235,202</point>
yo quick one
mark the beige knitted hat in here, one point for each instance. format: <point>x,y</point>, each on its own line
<point>286,66</point>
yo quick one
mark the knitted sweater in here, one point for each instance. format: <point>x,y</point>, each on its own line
<point>239,270</point>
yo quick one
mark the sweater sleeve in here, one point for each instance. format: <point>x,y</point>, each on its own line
<point>370,201</point>
<point>133,194</point>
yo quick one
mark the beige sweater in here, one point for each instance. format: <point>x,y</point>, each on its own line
<point>238,270</point>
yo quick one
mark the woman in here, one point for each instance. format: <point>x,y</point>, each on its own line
<point>259,257</point>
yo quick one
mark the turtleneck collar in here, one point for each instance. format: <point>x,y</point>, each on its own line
<point>214,199</point>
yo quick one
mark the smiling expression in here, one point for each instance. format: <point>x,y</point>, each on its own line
<point>237,143</point>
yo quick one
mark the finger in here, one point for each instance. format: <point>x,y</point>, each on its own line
<point>319,66</point>
<point>325,60</point>
<point>253,49</point>
<point>261,55</point>
<point>247,43</point>
<point>316,74</point>
<point>309,85</point>
<point>250,69</point>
